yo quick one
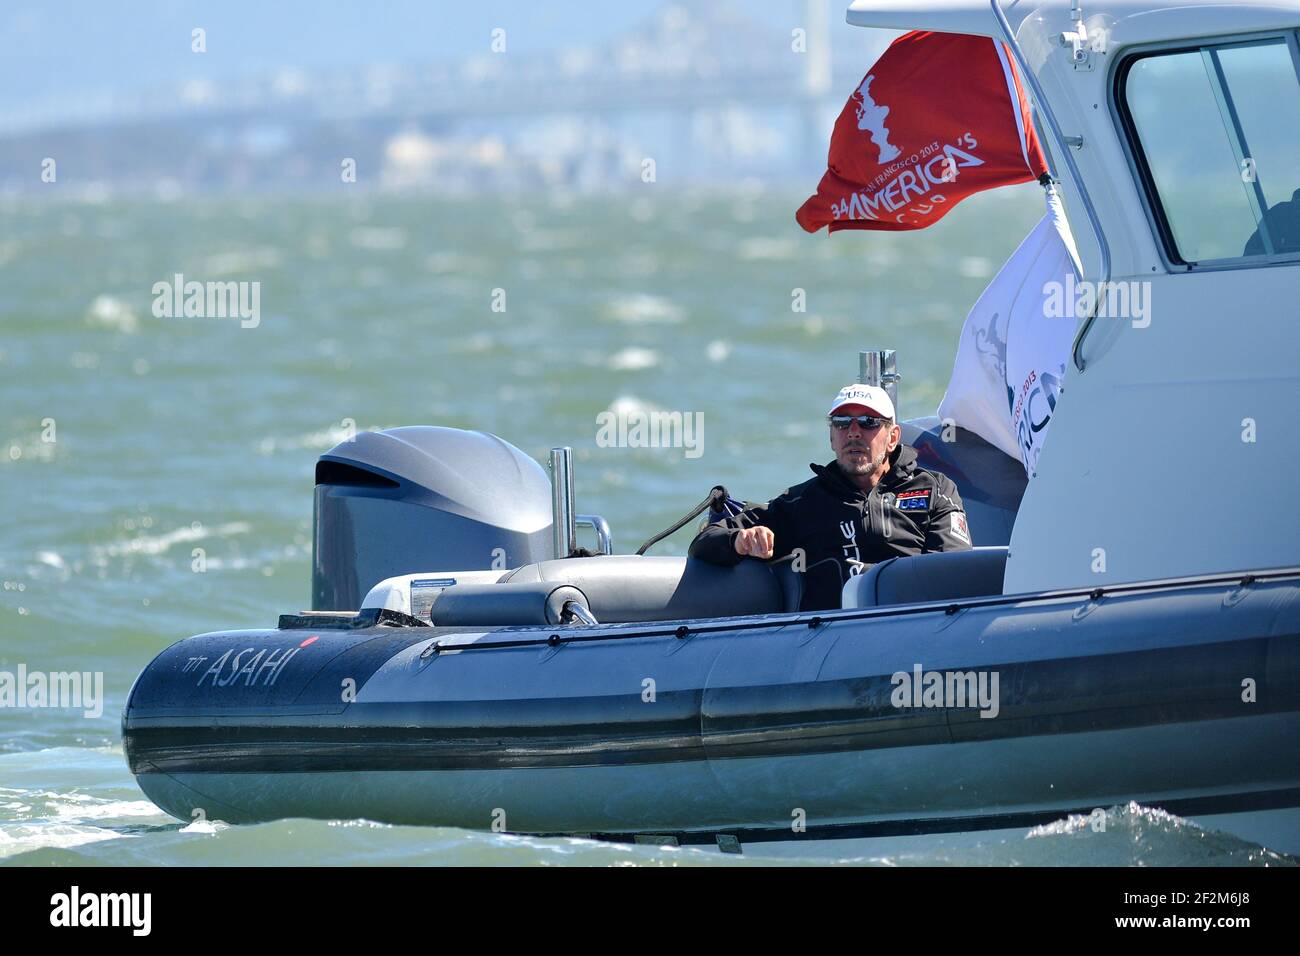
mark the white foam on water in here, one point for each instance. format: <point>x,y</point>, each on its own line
<point>51,558</point>
<point>454,262</point>
<point>42,836</point>
<point>1128,815</point>
<point>643,309</point>
<point>239,261</point>
<point>360,824</point>
<point>376,239</point>
<point>762,248</point>
<point>113,313</point>
<point>50,819</point>
<point>633,359</point>
<point>25,448</point>
<point>548,240</point>
<point>160,543</point>
<point>322,439</point>
<point>82,808</point>
<point>975,267</point>
<point>630,404</point>
<point>477,343</point>
<point>209,827</point>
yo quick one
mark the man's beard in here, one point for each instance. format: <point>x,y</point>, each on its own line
<point>863,467</point>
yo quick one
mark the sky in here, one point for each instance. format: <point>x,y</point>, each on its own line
<point>65,47</point>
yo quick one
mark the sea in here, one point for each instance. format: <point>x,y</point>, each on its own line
<point>157,468</point>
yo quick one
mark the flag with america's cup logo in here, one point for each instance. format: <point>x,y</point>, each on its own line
<point>940,116</point>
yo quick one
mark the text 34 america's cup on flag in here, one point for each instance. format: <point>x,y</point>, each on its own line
<point>940,116</point>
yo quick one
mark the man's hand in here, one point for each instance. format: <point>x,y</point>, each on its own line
<point>755,542</point>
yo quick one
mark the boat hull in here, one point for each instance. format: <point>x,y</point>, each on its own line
<point>782,733</point>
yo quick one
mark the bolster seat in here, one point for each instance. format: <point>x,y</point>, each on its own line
<point>921,578</point>
<point>627,588</point>
<point>499,605</point>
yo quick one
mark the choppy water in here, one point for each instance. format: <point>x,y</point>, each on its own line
<point>135,448</point>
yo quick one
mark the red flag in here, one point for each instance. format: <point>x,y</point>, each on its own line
<point>939,117</point>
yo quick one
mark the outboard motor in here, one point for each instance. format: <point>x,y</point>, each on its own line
<point>423,498</point>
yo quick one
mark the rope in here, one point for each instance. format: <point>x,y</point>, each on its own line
<point>717,494</point>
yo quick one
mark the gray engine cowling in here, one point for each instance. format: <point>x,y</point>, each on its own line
<point>423,498</point>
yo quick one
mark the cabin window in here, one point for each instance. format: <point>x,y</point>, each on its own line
<point>1216,131</point>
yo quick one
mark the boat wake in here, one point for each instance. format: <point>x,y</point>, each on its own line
<point>49,828</point>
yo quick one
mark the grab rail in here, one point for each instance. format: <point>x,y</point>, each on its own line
<point>604,537</point>
<point>636,630</point>
<point>1046,109</point>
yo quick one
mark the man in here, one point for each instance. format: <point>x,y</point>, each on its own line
<point>870,504</point>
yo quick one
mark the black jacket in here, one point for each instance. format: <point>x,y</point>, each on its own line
<point>911,511</point>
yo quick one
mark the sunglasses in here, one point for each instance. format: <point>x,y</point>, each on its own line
<point>865,422</point>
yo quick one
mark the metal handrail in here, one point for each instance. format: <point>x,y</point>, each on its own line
<point>1046,109</point>
<point>576,610</point>
<point>604,537</point>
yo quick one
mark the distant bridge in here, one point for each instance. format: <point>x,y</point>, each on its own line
<point>701,55</point>
<point>686,60</point>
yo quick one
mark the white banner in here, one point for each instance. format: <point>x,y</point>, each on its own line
<point>1011,357</point>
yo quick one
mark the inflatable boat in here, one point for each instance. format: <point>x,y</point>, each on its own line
<point>662,699</point>
<point>1128,628</point>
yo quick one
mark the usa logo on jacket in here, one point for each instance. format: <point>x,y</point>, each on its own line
<point>914,500</point>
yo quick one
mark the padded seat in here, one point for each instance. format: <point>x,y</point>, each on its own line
<point>626,588</point>
<point>940,576</point>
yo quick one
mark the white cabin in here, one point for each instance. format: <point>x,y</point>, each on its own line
<point>1175,447</point>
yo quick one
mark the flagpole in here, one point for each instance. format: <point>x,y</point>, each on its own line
<point>1046,108</point>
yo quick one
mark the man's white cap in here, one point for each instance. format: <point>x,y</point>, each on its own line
<point>875,398</point>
